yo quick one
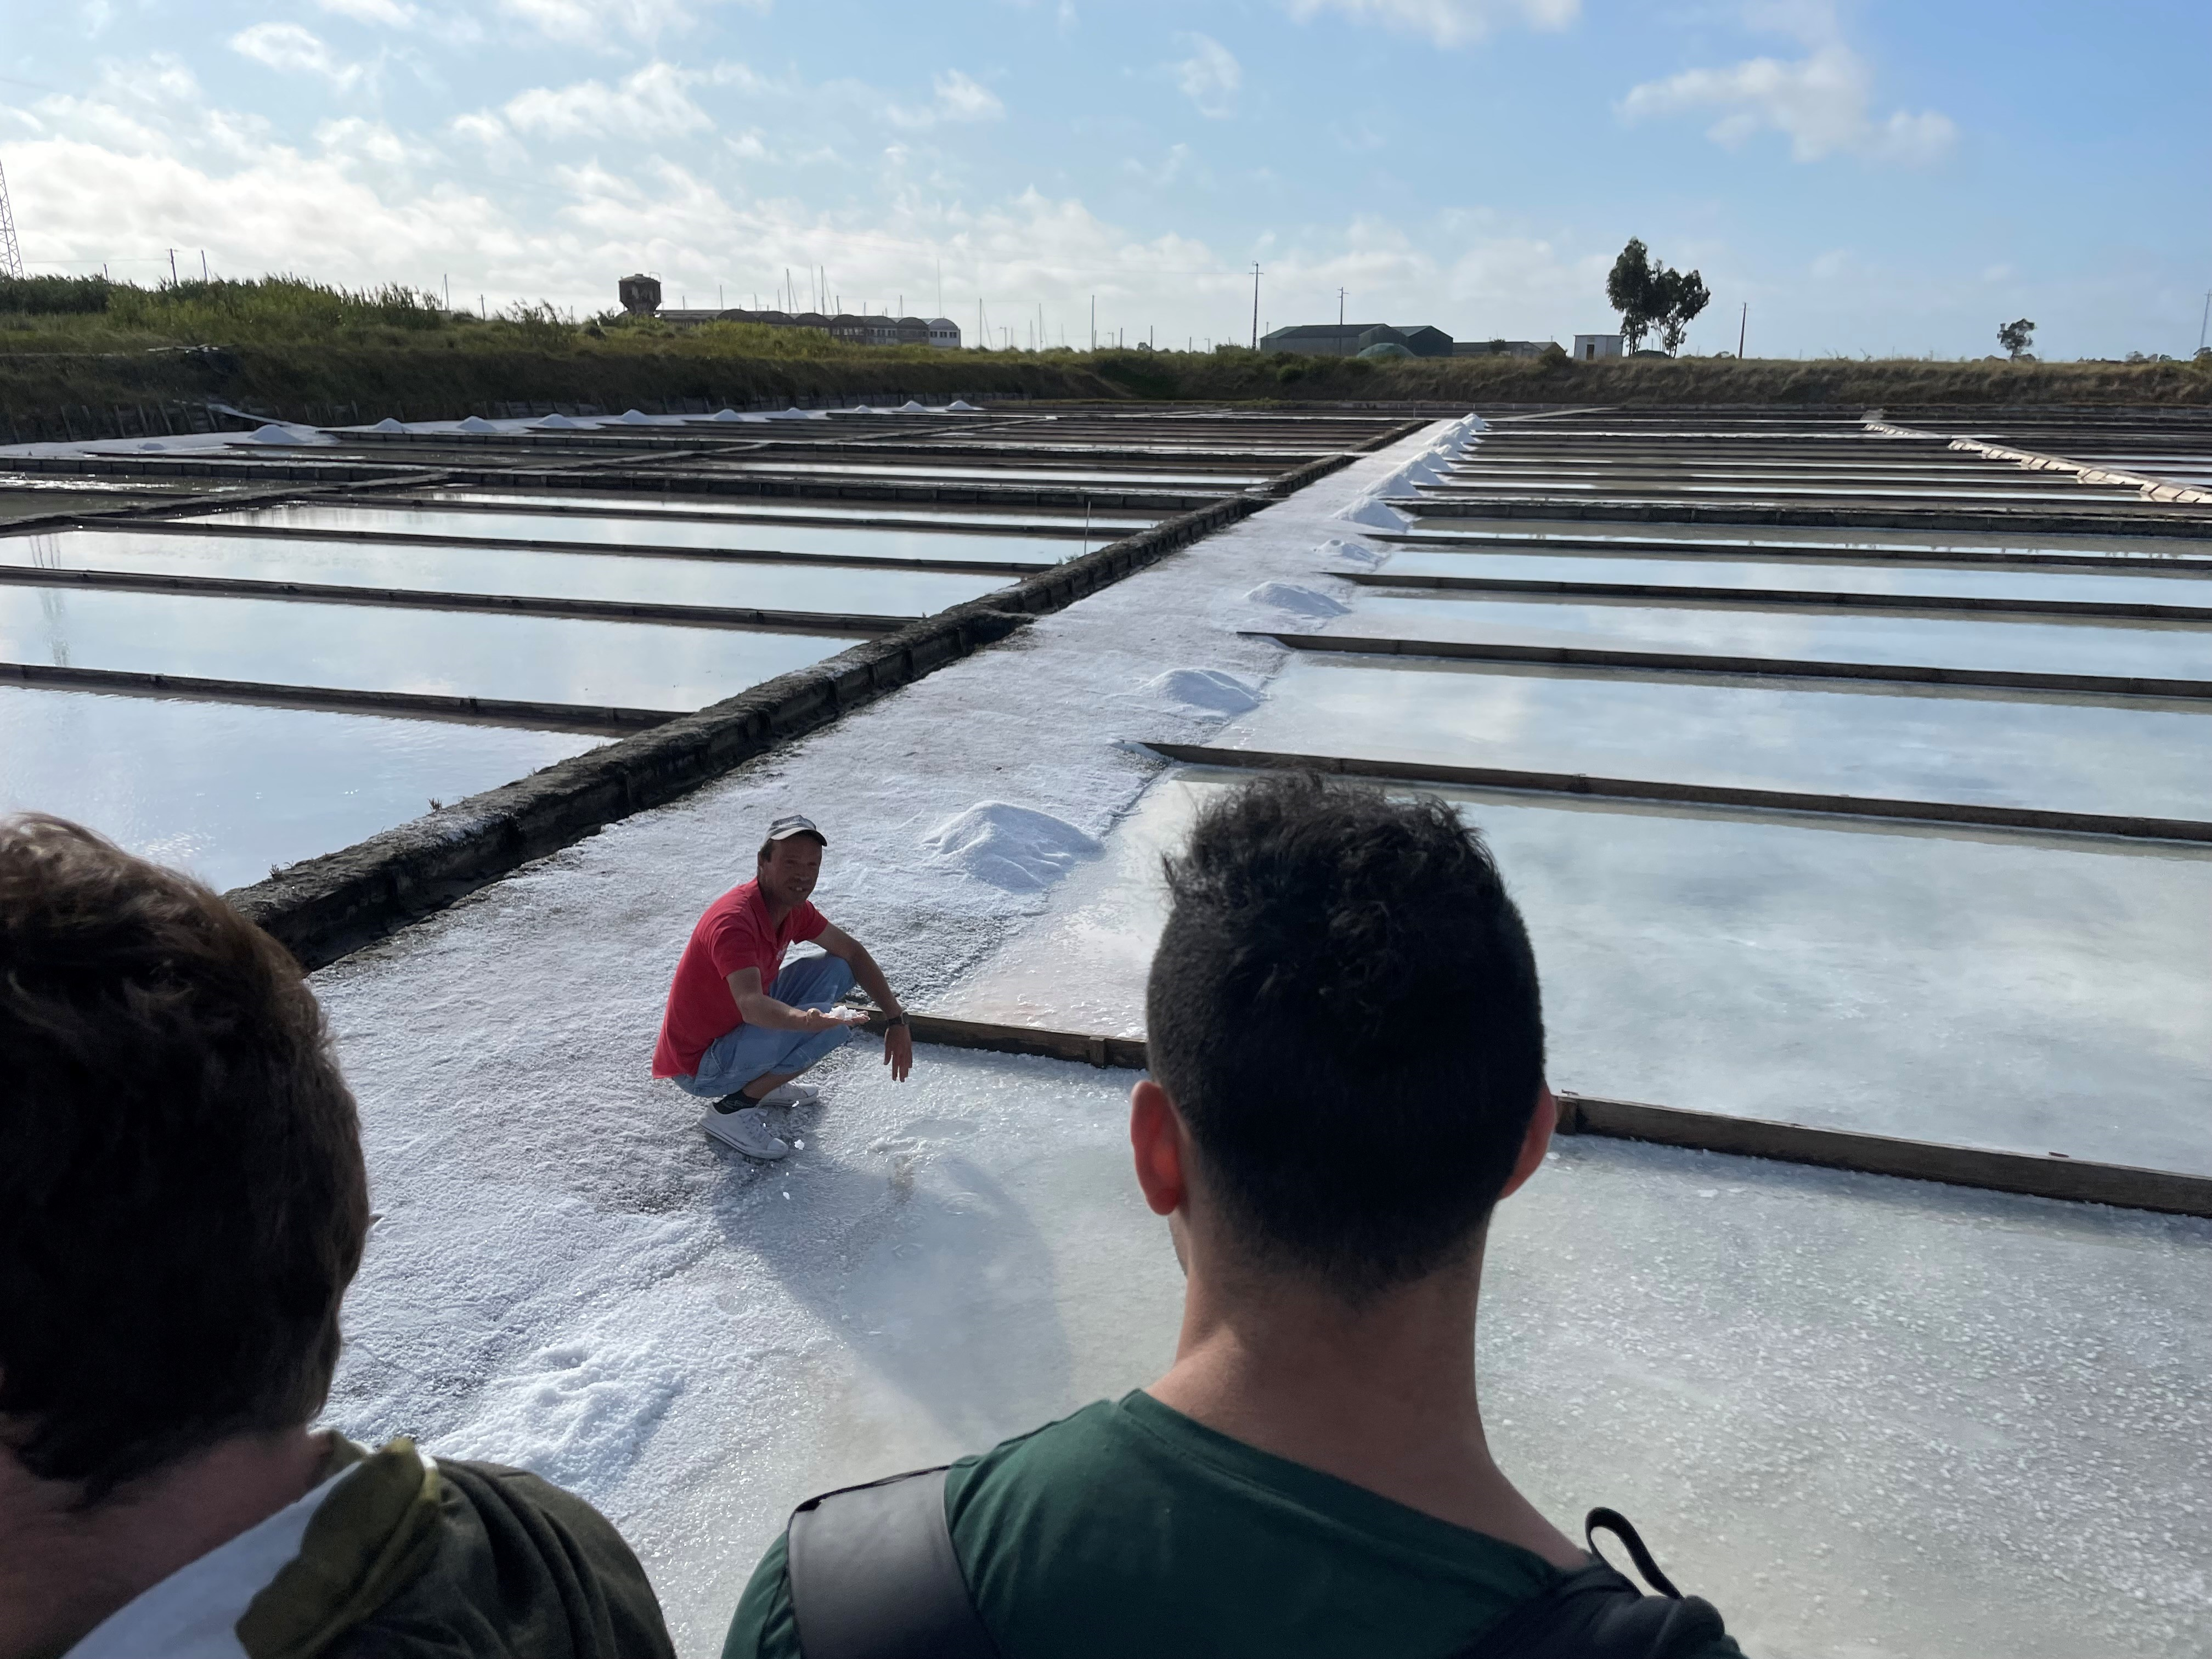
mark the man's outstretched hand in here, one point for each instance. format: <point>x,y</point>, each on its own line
<point>829,1019</point>
<point>898,1052</point>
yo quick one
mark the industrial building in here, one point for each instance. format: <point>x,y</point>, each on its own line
<point>1592,347</point>
<point>1350,339</point>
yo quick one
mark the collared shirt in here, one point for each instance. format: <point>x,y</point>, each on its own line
<point>735,933</point>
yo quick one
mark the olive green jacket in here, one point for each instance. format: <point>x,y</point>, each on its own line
<point>408,1558</point>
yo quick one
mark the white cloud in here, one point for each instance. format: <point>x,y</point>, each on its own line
<point>959,99</point>
<point>598,23</point>
<point>1822,101</point>
<point>390,14</point>
<point>293,49</point>
<point>1210,76</point>
<point>649,104</point>
<point>1446,22</point>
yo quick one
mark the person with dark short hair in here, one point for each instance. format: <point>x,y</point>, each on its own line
<point>1346,1050</point>
<point>182,1205</point>
<point>741,1027</point>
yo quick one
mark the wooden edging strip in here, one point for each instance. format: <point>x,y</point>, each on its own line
<point>324,907</point>
<point>1475,545</point>
<point>884,491</point>
<point>1903,516</point>
<point>705,514</point>
<point>610,550</point>
<point>1753,596</point>
<point>2148,485</point>
<point>1574,783</point>
<point>412,705</point>
<point>741,618</point>
<point>2055,1176</point>
<point>2116,685</point>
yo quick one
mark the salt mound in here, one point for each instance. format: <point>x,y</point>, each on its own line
<point>388,424</point>
<point>910,406</point>
<point>1300,601</point>
<point>964,406</point>
<point>558,423</point>
<point>1205,688</point>
<point>474,424</point>
<point>1016,849</point>
<point>1371,508</point>
<point>150,446</point>
<point>635,417</point>
<point>272,434</point>
<point>725,415</point>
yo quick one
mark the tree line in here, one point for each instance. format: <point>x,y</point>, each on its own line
<point>1651,296</point>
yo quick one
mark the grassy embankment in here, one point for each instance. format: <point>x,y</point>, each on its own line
<point>85,348</point>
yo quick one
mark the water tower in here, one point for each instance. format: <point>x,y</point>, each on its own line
<point>639,294</point>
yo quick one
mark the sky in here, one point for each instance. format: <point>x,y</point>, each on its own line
<point>1854,177</point>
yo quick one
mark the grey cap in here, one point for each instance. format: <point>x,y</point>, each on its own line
<point>795,823</point>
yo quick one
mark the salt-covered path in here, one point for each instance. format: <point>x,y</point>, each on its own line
<point>1865,1416</point>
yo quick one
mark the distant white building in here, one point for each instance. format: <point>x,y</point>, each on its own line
<point>945,334</point>
<point>1589,348</point>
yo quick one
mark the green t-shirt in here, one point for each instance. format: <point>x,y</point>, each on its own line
<point>1128,1529</point>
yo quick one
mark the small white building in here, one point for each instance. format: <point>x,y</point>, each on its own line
<point>945,334</point>
<point>1589,348</point>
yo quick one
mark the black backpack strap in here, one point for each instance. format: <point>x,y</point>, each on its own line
<point>1595,1612</point>
<point>873,1575</point>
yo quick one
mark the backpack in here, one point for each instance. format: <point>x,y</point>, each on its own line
<point>873,1575</point>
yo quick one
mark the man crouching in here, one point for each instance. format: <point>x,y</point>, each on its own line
<point>740,1025</point>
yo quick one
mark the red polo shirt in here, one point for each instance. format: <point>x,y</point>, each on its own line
<point>735,933</point>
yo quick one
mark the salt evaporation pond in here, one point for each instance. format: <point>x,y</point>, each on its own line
<point>556,659</point>
<point>1998,644</point>
<point>1984,1411</point>
<point>520,571</point>
<point>670,531</point>
<point>228,790</point>
<point>2034,993</point>
<point>1900,580</point>
<point>2145,756</point>
<point>1732,540</point>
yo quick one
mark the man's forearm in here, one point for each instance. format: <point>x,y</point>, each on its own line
<point>872,980</point>
<point>764,1010</point>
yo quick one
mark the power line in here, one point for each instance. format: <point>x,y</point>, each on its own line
<point>11,255</point>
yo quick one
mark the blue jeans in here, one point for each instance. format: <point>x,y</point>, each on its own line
<point>736,1058</point>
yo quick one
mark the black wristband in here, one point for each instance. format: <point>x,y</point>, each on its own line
<point>898,1019</point>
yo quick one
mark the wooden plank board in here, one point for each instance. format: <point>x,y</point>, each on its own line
<point>2052,1175</point>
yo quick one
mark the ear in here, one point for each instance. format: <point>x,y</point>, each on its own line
<point>1155,1137</point>
<point>1536,1142</point>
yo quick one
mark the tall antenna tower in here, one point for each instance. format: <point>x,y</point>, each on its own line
<point>11,254</point>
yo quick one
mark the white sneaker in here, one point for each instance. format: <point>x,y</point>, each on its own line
<point>790,1094</point>
<point>746,1130</point>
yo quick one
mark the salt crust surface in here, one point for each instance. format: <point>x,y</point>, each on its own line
<point>569,1275</point>
<point>1868,1417</point>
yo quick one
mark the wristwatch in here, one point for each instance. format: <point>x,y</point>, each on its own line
<point>898,1019</point>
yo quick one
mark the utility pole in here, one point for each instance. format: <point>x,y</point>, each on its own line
<point>204,269</point>
<point>1743,322</point>
<point>11,252</point>
<point>9,231</point>
<point>1255,305</point>
<point>173,267</point>
<point>1339,307</point>
<point>1094,322</point>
